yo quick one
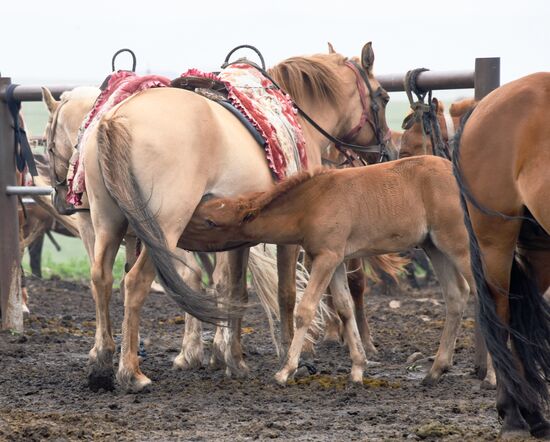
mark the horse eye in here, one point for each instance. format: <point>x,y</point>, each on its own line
<point>211,224</point>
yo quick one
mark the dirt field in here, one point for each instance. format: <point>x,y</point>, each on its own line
<point>43,392</point>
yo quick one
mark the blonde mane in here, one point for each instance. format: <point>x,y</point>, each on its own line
<point>263,200</point>
<point>81,92</point>
<point>313,77</point>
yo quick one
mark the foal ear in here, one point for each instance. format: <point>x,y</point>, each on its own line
<point>331,48</point>
<point>367,57</point>
<point>250,216</point>
<point>48,99</point>
<point>438,105</point>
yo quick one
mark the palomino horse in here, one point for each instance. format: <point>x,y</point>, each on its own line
<point>501,163</point>
<point>154,157</point>
<point>65,118</point>
<point>340,214</point>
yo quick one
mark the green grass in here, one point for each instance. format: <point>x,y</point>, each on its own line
<point>71,262</point>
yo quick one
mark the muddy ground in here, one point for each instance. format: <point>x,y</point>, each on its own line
<point>43,392</point>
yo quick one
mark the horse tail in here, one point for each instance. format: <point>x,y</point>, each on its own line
<point>529,314</point>
<point>392,264</point>
<point>114,153</point>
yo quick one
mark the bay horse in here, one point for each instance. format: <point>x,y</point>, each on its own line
<point>501,163</point>
<point>154,157</point>
<point>340,214</point>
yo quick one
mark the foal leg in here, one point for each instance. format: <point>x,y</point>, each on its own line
<point>323,266</point>
<point>343,303</point>
<point>136,288</point>
<point>357,281</point>
<point>455,291</point>
<point>287,256</point>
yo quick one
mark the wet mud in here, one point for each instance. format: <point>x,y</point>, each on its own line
<point>44,395</point>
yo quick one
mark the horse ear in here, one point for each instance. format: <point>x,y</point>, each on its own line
<point>48,99</point>
<point>367,57</point>
<point>408,121</point>
<point>331,48</point>
<point>438,105</point>
<point>250,216</point>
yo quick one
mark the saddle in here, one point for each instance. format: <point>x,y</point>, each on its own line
<point>214,90</point>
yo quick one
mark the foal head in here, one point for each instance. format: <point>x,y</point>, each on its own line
<point>65,118</point>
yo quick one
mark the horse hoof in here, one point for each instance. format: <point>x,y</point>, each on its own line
<point>281,377</point>
<point>101,378</point>
<point>133,383</point>
<point>430,380</point>
<point>187,362</point>
<point>488,385</point>
<point>541,431</point>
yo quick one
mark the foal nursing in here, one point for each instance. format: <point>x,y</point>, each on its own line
<point>340,214</point>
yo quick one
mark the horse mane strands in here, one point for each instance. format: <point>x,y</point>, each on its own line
<point>306,77</point>
<point>81,92</point>
<point>264,199</point>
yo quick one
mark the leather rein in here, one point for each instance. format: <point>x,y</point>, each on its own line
<point>342,145</point>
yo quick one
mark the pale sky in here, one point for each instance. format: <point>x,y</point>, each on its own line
<point>55,41</point>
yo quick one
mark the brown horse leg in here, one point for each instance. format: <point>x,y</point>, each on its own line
<point>238,295</point>
<point>323,267</point>
<point>137,285</point>
<point>357,280</point>
<point>287,257</point>
<point>497,241</point>
<point>343,303</point>
<point>455,291</point>
<point>100,369</point>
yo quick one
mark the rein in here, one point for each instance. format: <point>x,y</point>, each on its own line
<point>52,152</point>
<point>341,144</point>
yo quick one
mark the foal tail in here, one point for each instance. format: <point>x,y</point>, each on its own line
<point>529,326</point>
<point>114,151</point>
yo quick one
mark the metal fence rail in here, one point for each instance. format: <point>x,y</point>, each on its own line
<point>484,78</point>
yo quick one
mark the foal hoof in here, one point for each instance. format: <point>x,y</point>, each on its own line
<point>184,362</point>
<point>430,380</point>
<point>281,378</point>
<point>101,378</point>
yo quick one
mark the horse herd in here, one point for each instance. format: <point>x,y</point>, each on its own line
<point>172,170</point>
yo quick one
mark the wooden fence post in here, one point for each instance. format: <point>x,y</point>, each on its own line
<point>10,267</point>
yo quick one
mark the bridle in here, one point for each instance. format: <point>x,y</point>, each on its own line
<point>362,79</point>
<point>50,143</point>
<point>342,145</point>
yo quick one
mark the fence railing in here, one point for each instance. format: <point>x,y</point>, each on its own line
<point>483,79</point>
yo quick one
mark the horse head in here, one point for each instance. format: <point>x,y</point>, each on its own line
<point>65,118</point>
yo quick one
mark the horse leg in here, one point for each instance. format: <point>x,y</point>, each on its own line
<point>100,369</point>
<point>192,347</point>
<point>287,256</point>
<point>137,284</point>
<point>455,291</point>
<point>357,281</point>
<point>35,255</point>
<point>497,241</point>
<point>238,295</point>
<point>343,303</point>
<point>219,277</point>
<point>323,267</point>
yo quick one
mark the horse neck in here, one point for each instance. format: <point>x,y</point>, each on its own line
<point>328,118</point>
<point>279,221</point>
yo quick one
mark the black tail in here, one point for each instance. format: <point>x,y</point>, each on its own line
<point>114,149</point>
<point>529,314</point>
